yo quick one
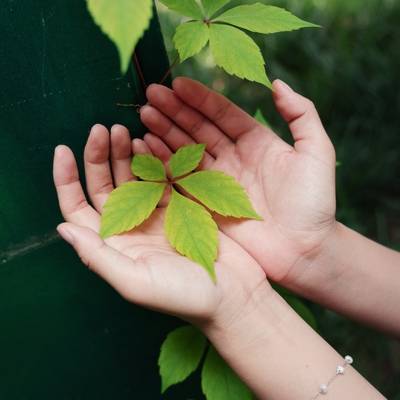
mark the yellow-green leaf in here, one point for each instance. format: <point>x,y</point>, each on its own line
<point>192,232</point>
<point>129,205</point>
<point>212,6</point>
<point>124,22</point>
<point>186,159</point>
<point>190,38</point>
<point>180,355</point>
<point>263,19</point>
<point>237,53</point>
<point>148,168</point>
<point>219,382</point>
<point>220,193</point>
<point>189,8</point>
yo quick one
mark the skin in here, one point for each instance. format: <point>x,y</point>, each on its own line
<point>276,354</point>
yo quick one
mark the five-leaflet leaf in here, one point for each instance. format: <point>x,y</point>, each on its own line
<point>232,49</point>
<point>188,225</point>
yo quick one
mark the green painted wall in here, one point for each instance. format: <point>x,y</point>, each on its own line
<point>64,334</point>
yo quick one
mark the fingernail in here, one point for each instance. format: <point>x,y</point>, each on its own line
<point>283,86</point>
<point>66,234</point>
<point>57,149</point>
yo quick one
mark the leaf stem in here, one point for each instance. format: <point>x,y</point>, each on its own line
<point>173,65</point>
<point>139,71</point>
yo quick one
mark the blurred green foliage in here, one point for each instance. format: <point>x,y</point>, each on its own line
<point>350,68</point>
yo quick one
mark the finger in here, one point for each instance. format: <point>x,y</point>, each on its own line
<point>231,119</point>
<point>303,119</point>
<point>121,154</point>
<point>71,197</point>
<point>158,147</point>
<point>191,121</point>
<point>165,129</point>
<point>128,276</point>
<point>97,166</point>
<point>139,146</point>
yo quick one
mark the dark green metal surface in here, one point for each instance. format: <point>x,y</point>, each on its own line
<point>64,334</point>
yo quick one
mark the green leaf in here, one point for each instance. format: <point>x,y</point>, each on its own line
<point>219,382</point>
<point>148,168</point>
<point>263,19</point>
<point>260,118</point>
<point>129,205</point>
<point>220,193</point>
<point>186,159</point>
<point>124,22</point>
<point>190,38</point>
<point>180,355</point>
<point>237,54</point>
<point>189,8</point>
<point>212,6</point>
<point>192,232</point>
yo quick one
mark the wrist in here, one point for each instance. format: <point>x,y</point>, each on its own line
<point>262,309</point>
<point>278,355</point>
<point>320,269</point>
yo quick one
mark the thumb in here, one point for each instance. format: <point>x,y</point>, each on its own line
<point>120,271</point>
<point>303,119</point>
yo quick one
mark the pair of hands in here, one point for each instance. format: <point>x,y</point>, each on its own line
<point>292,188</point>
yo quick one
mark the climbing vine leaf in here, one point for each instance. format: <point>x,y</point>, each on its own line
<point>191,230</point>
<point>220,193</point>
<point>180,355</point>
<point>189,227</point>
<point>219,382</point>
<point>148,168</point>
<point>186,159</point>
<point>124,22</point>
<point>129,205</point>
<point>237,53</point>
<point>190,38</point>
<point>188,8</point>
<point>212,6</point>
<point>232,49</point>
<point>263,19</point>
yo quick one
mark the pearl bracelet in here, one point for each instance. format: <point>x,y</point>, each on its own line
<point>323,389</point>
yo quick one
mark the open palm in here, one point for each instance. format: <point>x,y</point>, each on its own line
<point>291,187</point>
<point>141,265</point>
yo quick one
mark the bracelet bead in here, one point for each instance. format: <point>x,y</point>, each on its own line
<point>340,370</point>
<point>348,360</point>
<point>323,389</point>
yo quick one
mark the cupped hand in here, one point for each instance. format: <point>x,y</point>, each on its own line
<point>291,187</point>
<point>140,264</point>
